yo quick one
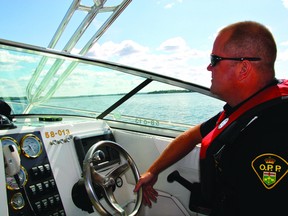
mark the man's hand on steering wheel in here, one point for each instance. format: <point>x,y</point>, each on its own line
<point>147,181</point>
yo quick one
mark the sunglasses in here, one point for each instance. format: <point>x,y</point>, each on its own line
<point>215,59</point>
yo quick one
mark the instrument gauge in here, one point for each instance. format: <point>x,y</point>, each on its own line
<point>31,146</point>
<point>11,182</point>
<point>17,201</point>
<point>10,141</point>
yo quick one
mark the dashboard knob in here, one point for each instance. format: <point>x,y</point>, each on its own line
<point>99,155</point>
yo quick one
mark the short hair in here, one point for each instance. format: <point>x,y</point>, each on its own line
<point>251,39</point>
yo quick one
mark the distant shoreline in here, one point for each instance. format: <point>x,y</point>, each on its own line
<point>61,97</point>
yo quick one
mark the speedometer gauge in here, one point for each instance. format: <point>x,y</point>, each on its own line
<point>31,146</point>
<point>10,141</point>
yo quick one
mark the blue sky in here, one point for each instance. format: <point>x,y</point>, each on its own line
<point>172,37</point>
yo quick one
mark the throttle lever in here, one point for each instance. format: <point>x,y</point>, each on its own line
<point>175,176</point>
<point>12,160</point>
<point>197,202</point>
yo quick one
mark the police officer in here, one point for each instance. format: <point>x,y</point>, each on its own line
<point>244,151</point>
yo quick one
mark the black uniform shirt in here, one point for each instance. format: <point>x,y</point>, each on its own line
<point>254,167</point>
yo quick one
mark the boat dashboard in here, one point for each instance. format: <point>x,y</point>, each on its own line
<point>52,150</point>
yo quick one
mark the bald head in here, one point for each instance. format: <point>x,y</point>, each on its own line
<point>251,39</point>
<point>235,80</point>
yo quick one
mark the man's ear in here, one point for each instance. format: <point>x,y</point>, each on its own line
<point>245,70</point>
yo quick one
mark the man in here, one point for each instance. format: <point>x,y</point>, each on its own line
<point>244,149</point>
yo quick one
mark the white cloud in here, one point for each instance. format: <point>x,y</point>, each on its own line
<point>285,3</point>
<point>168,4</point>
<point>174,44</point>
<point>108,49</point>
<point>172,58</point>
<point>10,62</point>
<point>7,57</point>
<point>285,43</point>
<point>282,55</point>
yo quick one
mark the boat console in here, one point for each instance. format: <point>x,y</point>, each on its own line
<point>51,165</point>
<point>37,186</point>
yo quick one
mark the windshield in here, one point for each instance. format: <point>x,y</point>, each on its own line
<point>86,87</point>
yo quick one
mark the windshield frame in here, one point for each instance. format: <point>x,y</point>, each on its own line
<point>147,75</point>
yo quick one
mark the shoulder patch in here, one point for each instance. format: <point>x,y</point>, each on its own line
<point>270,169</point>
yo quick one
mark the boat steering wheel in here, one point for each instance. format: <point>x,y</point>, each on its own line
<point>107,182</point>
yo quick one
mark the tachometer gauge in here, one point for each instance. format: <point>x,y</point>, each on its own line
<point>11,182</point>
<point>17,201</point>
<point>10,141</point>
<point>31,146</point>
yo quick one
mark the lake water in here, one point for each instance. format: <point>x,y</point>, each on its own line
<point>185,108</point>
